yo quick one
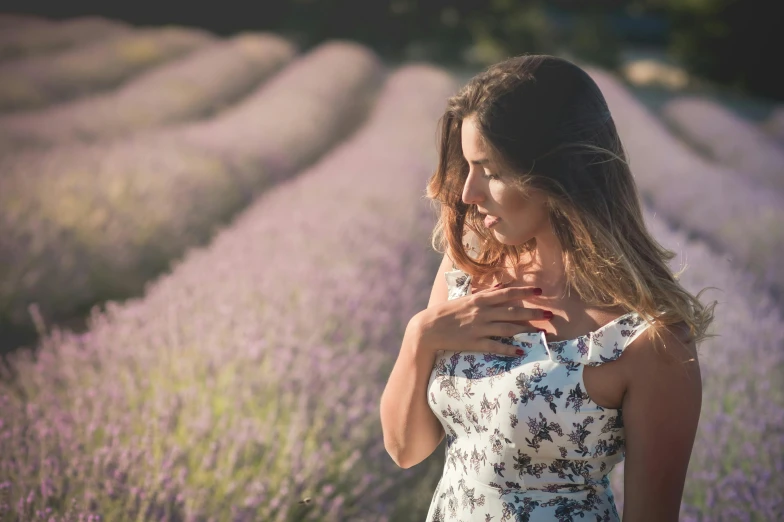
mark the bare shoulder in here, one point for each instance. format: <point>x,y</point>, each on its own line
<point>661,410</point>
<point>670,351</point>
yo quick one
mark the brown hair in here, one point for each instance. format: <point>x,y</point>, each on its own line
<point>545,120</point>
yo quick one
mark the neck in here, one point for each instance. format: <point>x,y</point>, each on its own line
<point>543,268</point>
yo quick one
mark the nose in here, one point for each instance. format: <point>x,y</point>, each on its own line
<point>472,191</point>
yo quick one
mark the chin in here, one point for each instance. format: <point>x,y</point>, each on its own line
<point>509,240</point>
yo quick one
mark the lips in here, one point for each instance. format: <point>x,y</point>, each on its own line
<point>491,220</point>
<point>488,219</point>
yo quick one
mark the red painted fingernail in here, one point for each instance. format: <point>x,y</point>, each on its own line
<point>499,284</point>
<point>548,314</point>
<point>519,352</point>
<point>537,291</point>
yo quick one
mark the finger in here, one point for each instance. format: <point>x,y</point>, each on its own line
<point>495,296</point>
<point>491,288</point>
<point>494,346</point>
<point>512,314</point>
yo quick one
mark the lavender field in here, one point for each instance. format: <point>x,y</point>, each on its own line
<point>728,139</point>
<point>42,80</point>
<point>269,251</point>
<point>25,36</point>
<point>774,125</point>
<point>192,87</point>
<point>83,222</point>
<point>723,207</point>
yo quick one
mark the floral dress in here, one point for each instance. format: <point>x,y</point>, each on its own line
<point>524,442</point>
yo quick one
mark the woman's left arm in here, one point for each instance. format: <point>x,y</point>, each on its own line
<point>661,410</point>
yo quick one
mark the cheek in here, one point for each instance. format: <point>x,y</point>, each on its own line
<point>528,212</point>
<point>513,202</point>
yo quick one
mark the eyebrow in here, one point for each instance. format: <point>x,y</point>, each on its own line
<point>482,161</point>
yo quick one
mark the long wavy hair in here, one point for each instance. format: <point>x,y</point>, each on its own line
<point>545,121</point>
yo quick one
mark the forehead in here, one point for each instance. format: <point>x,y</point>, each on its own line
<point>471,140</point>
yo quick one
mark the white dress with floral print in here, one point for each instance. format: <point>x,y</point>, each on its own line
<point>524,442</point>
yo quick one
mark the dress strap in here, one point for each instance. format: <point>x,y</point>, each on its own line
<point>458,284</point>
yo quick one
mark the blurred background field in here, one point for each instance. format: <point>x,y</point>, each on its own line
<point>213,234</point>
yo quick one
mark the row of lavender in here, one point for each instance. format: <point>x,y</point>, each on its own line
<point>250,377</point>
<point>712,201</point>
<point>105,63</point>
<point>14,20</point>
<point>728,139</point>
<point>194,86</point>
<point>774,125</point>
<point>84,222</point>
<point>26,35</point>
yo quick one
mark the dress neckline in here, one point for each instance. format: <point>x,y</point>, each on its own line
<point>589,334</point>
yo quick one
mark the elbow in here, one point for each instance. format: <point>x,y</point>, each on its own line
<point>396,454</point>
<point>392,444</point>
<point>402,459</point>
<point>403,464</point>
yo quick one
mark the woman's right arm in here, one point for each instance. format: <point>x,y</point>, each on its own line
<point>411,430</point>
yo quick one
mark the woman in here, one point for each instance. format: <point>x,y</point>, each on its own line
<point>563,343</point>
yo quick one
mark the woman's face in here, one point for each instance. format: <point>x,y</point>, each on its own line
<point>521,216</point>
